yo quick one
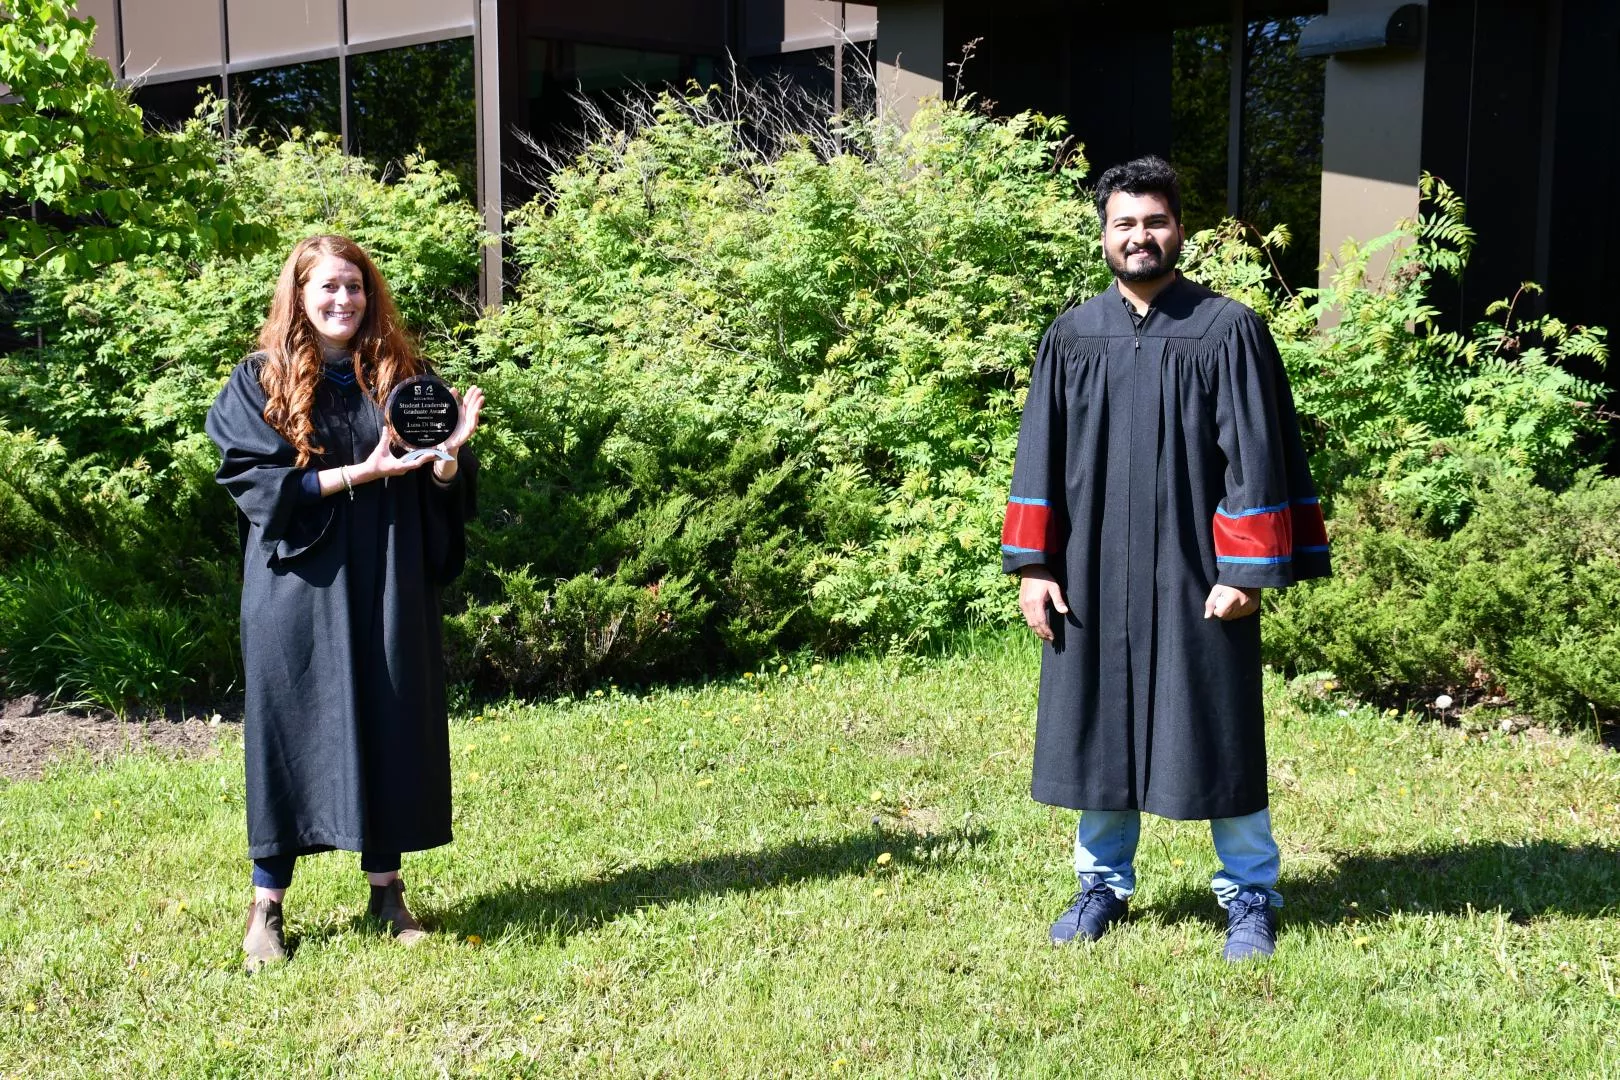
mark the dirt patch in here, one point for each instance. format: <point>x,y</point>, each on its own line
<point>32,735</point>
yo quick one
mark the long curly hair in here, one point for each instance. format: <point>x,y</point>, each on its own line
<point>383,351</point>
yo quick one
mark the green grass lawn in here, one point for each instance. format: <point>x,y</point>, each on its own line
<point>830,870</point>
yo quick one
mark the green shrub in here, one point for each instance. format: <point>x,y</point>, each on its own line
<point>1520,603</point>
<point>103,461</point>
<point>87,634</point>
<point>783,386</point>
<point>1390,398</point>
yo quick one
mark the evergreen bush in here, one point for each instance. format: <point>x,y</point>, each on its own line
<point>1518,607</point>
<point>105,472</point>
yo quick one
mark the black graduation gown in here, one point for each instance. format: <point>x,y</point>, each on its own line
<point>1152,465</point>
<point>346,739</point>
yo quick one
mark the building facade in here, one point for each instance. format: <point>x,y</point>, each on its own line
<point>1319,113</point>
<point>461,79</point>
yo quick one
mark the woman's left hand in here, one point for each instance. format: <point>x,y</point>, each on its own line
<point>472,403</point>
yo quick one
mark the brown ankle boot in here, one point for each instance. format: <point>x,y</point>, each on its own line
<point>388,905</point>
<point>263,943</point>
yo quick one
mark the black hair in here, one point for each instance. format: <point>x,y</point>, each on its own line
<point>1149,175</point>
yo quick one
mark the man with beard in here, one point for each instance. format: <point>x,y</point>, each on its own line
<point>1160,484</point>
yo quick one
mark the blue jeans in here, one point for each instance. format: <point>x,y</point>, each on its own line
<point>1105,845</point>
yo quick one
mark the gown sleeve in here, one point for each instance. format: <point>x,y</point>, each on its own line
<point>1031,533</point>
<point>1268,526</point>
<point>446,510</point>
<point>260,470</point>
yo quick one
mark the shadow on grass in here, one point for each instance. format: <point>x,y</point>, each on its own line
<point>1524,880</point>
<point>565,908</point>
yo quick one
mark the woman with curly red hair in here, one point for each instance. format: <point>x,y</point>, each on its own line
<point>345,547</point>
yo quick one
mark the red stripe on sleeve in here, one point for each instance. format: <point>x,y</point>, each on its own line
<point>1027,526</point>
<point>1254,536</point>
<point>1309,528</point>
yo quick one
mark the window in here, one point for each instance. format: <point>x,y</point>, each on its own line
<point>402,100</point>
<point>170,105</point>
<point>275,100</point>
<point>1280,173</point>
<point>558,70</point>
<point>1200,93</point>
<point>1282,142</point>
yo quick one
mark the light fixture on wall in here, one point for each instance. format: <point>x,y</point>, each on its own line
<point>1363,32</point>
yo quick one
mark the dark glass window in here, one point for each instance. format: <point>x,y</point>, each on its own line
<point>169,105</point>
<point>1200,95</point>
<point>420,98</point>
<point>273,101</point>
<point>1280,178</point>
<point>558,70</point>
<point>1282,142</point>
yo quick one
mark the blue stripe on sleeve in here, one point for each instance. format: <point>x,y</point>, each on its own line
<point>1221,510</point>
<point>1027,502</point>
<point>1268,560</point>
<point>1008,549</point>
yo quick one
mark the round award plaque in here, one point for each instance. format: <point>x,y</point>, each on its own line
<point>421,412</point>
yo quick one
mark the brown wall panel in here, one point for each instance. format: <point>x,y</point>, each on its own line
<point>378,20</point>
<point>161,36</point>
<point>106,40</point>
<point>272,29</point>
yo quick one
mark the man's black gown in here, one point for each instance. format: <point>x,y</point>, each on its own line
<point>347,744</point>
<point>1154,463</point>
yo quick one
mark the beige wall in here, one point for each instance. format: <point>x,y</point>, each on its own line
<point>262,30</point>
<point>911,55</point>
<point>1372,138</point>
<point>812,24</point>
<point>105,44</point>
<point>375,20</point>
<point>161,36</point>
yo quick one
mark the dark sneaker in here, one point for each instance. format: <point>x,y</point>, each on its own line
<point>388,905</point>
<point>264,943</point>
<point>1096,907</point>
<point>1251,926</point>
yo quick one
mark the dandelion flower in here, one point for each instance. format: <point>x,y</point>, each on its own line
<point>1178,863</point>
<point>885,859</point>
<point>622,767</point>
<point>1363,942</point>
<point>705,782</point>
<point>816,669</point>
<point>1351,771</point>
<point>1443,701</point>
<point>538,1018</point>
<point>876,796</point>
<point>474,939</point>
<point>748,674</point>
<point>1405,791</point>
<point>877,894</point>
<point>96,816</point>
<point>782,670</point>
<point>473,778</point>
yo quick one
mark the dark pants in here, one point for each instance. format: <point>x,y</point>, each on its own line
<point>276,871</point>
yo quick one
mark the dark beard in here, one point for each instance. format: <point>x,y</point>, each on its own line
<point>1161,264</point>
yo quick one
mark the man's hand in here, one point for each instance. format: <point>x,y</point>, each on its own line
<point>1037,589</point>
<point>1225,602</point>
